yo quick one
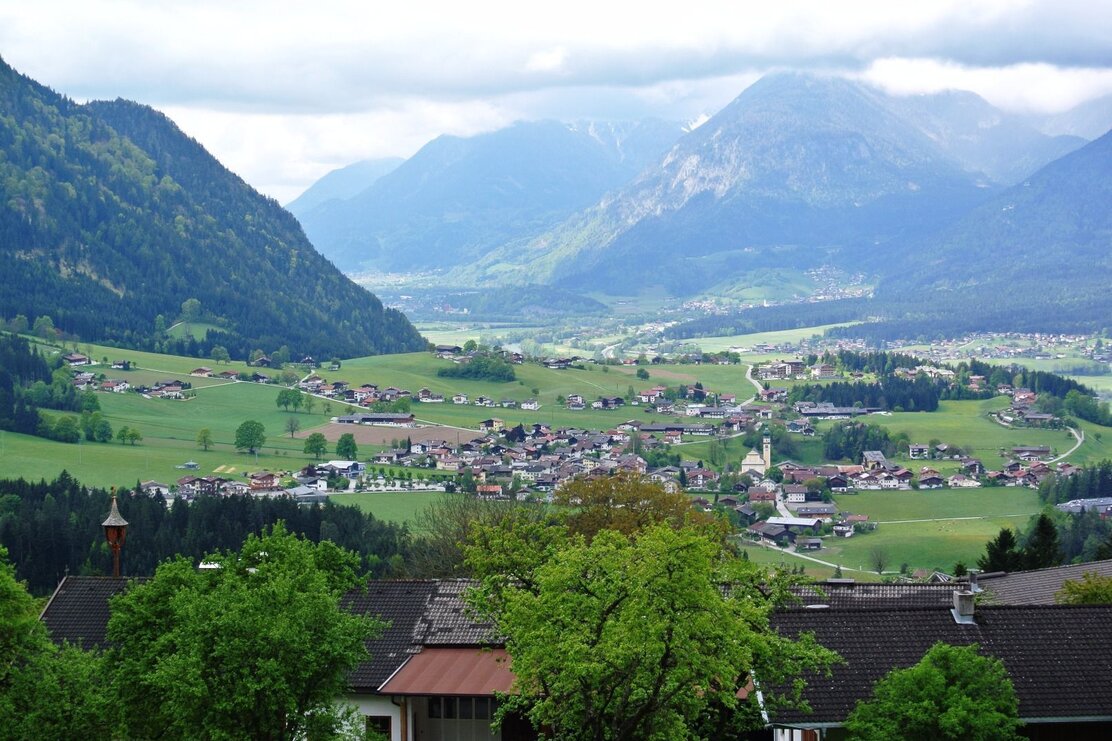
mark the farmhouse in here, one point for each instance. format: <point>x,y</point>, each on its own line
<point>1032,453</point>
<point>384,419</point>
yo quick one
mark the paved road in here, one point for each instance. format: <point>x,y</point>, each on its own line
<point>794,554</point>
<point>1078,435</point>
<point>756,384</point>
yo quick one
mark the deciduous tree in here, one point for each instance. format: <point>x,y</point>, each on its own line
<point>952,693</point>
<point>621,638</point>
<point>1092,589</point>
<point>256,648</point>
<point>250,436</point>
<point>204,438</point>
<point>292,426</point>
<point>625,502</point>
<point>316,445</point>
<point>346,448</point>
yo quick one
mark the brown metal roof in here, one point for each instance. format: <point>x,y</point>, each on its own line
<point>452,671</point>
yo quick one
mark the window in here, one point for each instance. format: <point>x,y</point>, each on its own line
<point>465,708</point>
<point>482,708</point>
<point>450,708</point>
<point>434,707</point>
<point>378,724</point>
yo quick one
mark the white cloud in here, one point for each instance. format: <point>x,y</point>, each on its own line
<point>282,91</point>
<point>551,60</point>
<point>1040,88</point>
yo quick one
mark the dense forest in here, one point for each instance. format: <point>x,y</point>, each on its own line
<point>28,382</point>
<point>920,394</point>
<point>53,528</point>
<point>110,216</point>
<point>847,440</point>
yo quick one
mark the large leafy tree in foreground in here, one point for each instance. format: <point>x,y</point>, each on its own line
<point>45,691</point>
<point>257,647</point>
<point>626,637</point>
<point>952,693</point>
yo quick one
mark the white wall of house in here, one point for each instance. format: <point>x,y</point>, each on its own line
<point>381,706</point>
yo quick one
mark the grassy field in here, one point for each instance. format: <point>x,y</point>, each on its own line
<point>197,330</point>
<point>391,506</point>
<point>725,342</point>
<point>162,364</point>
<point>927,545</point>
<point>967,425</point>
<point>929,529</point>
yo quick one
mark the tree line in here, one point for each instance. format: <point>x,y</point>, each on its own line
<point>848,440</point>
<point>51,528</point>
<point>920,394</point>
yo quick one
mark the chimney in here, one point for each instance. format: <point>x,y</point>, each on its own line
<point>963,607</point>
<point>974,587</point>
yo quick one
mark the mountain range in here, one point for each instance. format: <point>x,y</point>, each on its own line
<point>796,172</point>
<point>457,198</point>
<point>342,183</point>
<point>799,171</point>
<point>110,216</point>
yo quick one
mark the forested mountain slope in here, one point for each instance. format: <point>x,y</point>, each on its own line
<point>111,216</point>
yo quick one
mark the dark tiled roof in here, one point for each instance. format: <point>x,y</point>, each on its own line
<point>1036,587</point>
<point>1057,657</point>
<point>446,621</point>
<point>420,613</point>
<point>78,610</point>
<point>866,596</point>
<point>401,604</point>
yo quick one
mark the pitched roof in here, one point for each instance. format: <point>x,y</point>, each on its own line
<point>1056,656</point>
<point>453,671</point>
<point>849,594</point>
<point>77,612</point>
<point>417,612</point>
<point>420,613</point>
<point>1039,586</point>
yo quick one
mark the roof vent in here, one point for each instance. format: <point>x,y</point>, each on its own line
<point>963,607</point>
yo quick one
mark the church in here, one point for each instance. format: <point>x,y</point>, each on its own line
<point>758,463</point>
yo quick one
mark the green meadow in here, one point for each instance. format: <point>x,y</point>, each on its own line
<point>391,506</point>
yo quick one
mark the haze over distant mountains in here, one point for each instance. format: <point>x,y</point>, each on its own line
<point>342,183</point>
<point>798,171</point>
<point>457,198</point>
<point>110,216</point>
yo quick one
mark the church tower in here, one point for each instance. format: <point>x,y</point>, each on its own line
<point>767,450</point>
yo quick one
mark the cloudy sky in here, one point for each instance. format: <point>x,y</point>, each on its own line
<point>283,92</point>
